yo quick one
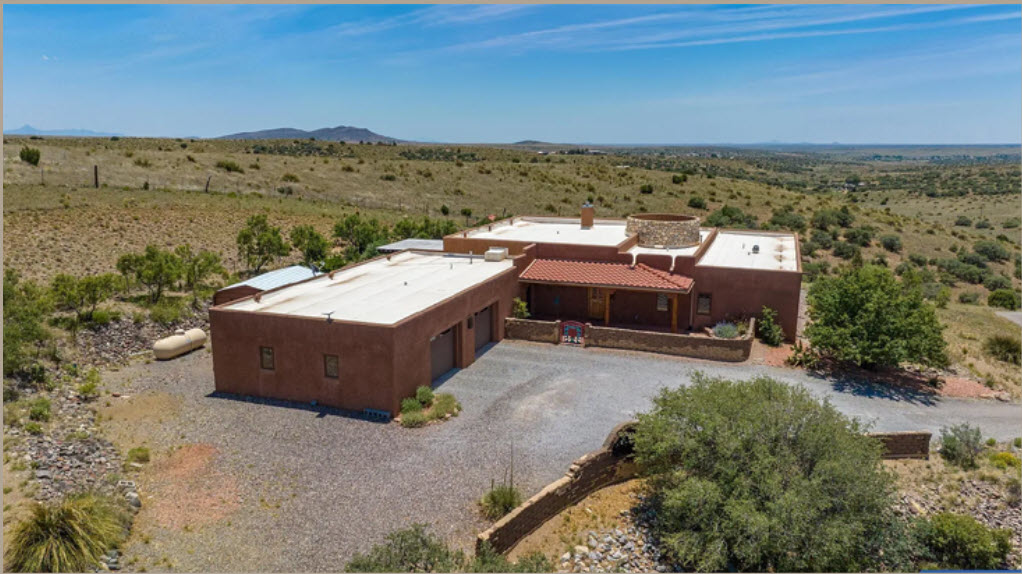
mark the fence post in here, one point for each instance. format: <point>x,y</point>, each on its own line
<point>95,176</point>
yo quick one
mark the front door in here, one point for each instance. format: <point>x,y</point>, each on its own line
<point>596,303</point>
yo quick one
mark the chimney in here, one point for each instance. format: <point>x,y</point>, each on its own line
<point>588,214</point>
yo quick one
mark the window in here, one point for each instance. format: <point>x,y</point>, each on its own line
<point>661,301</point>
<point>703,305</point>
<point>330,366</point>
<point>266,358</point>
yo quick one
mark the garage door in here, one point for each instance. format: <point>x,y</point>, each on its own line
<point>483,327</point>
<point>441,350</point>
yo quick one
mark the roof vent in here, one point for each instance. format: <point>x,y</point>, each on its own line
<point>755,248</point>
<point>495,254</point>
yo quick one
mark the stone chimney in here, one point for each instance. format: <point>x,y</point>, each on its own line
<point>588,215</point>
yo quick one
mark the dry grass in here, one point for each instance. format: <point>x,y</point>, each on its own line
<point>968,326</point>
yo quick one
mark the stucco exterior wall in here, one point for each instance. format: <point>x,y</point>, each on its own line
<point>737,292</point>
<point>698,347</point>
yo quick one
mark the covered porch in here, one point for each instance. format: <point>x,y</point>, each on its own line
<point>609,294</point>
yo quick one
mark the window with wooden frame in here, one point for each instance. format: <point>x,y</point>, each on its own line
<point>331,366</point>
<point>266,358</point>
<point>661,302</point>
<point>703,304</point>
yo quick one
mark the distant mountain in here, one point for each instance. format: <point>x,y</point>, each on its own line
<point>27,130</point>
<point>337,134</point>
<point>531,142</point>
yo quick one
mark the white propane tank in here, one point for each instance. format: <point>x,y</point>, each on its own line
<point>179,343</point>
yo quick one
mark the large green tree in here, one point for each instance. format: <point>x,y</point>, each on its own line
<point>761,476</point>
<point>866,316</point>
<point>82,295</point>
<point>154,268</point>
<point>260,243</point>
<point>311,243</point>
<point>362,236</point>
<point>197,268</point>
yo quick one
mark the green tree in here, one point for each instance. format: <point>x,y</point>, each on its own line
<point>769,330</point>
<point>1005,299</point>
<point>733,217</point>
<point>758,475</point>
<point>866,316</point>
<point>362,236</point>
<point>991,250</point>
<point>26,305</point>
<point>82,295</point>
<point>197,268</point>
<point>260,243</point>
<point>154,268</point>
<point>29,155</point>
<point>311,243</point>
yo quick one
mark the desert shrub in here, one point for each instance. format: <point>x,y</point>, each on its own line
<point>1004,348</point>
<point>444,210</point>
<point>197,269</point>
<point>963,221</point>
<point>826,218</point>
<point>936,292</point>
<point>968,297</point>
<point>1005,299</point>
<point>500,500</point>
<point>101,317</point>
<point>1017,443</point>
<point>260,243</point>
<point>444,404</point>
<point>154,268</point>
<point>424,395</point>
<point>229,166</point>
<point>868,317</point>
<point>39,410</point>
<point>412,549</point>
<point>785,217</point>
<point>33,427</point>
<point>679,178</point>
<point>143,162</point>
<point>845,250</point>
<point>861,236</point>
<point>725,330</point>
<point>1004,460</point>
<point>992,250</point>
<point>1012,223</point>
<point>519,309</point>
<point>312,244</point>
<point>29,155</point>
<point>769,330</point>
<point>917,259</point>
<point>414,419</point>
<point>25,307</point>
<point>466,212</point>
<point>822,238</point>
<point>961,444</point>
<point>891,243</point>
<point>696,202</point>
<point>70,536</point>
<point>983,224</point>
<point>410,405</point>
<point>748,474</point>
<point>166,312</point>
<point>424,228</point>
<point>82,295</point>
<point>815,270</point>
<point>959,541</point>
<point>732,217</point>
<point>388,177</point>
<point>487,560</point>
<point>646,188</point>
<point>139,454</point>
<point>89,389</point>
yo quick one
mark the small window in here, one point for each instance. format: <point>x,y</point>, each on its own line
<point>266,358</point>
<point>330,366</point>
<point>703,305</point>
<point>661,301</point>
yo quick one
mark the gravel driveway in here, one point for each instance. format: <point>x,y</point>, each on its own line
<point>318,486</point>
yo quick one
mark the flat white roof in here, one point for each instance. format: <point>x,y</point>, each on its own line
<point>555,230</point>
<point>420,244</point>
<point>734,249</point>
<point>380,291</point>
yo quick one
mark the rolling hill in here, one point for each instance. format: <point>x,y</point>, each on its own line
<point>336,134</point>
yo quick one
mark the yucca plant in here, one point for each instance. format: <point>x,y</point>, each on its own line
<point>504,497</point>
<point>70,536</point>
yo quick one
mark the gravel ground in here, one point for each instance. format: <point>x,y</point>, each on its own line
<point>314,486</point>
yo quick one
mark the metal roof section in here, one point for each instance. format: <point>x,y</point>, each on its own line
<point>384,291</point>
<point>277,278</point>
<point>554,230</point>
<point>417,244</point>
<point>599,274</point>
<point>752,250</point>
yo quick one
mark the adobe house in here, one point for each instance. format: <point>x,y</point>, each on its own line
<point>365,336</point>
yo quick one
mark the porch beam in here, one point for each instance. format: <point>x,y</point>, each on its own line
<point>606,307</point>
<point>674,313</point>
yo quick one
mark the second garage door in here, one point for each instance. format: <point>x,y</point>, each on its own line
<point>483,327</point>
<point>441,350</point>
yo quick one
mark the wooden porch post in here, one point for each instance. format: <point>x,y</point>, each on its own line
<point>674,313</point>
<point>606,308</point>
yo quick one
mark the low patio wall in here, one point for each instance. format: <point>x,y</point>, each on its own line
<point>910,444</point>
<point>695,346</point>
<point>532,330</point>
<point>591,472</point>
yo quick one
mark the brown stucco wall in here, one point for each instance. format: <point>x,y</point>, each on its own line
<point>299,344</point>
<point>699,347</point>
<point>911,444</point>
<point>233,294</point>
<point>738,292</point>
<point>586,475</point>
<point>532,330</point>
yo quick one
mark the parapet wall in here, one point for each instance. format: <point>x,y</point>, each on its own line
<point>664,229</point>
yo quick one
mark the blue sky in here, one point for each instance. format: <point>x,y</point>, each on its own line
<point>501,73</point>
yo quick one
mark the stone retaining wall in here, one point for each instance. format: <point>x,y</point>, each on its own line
<point>591,472</point>
<point>699,347</point>
<point>532,330</point>
<point>910,444</point>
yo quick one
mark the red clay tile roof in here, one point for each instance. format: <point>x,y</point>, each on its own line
<point>601,274</point>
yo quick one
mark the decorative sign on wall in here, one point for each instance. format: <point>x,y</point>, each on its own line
<point>572,333</point>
